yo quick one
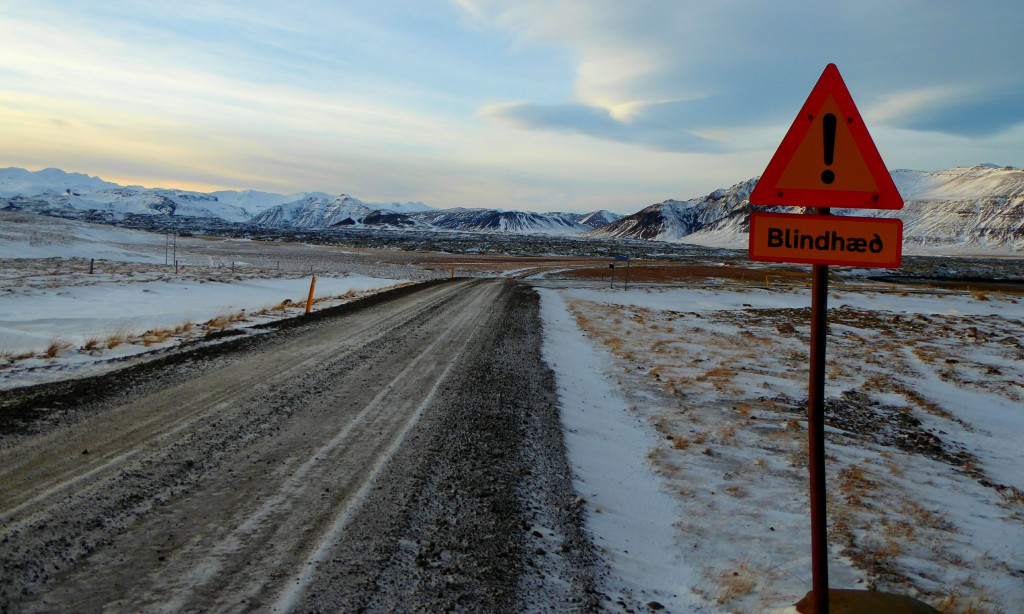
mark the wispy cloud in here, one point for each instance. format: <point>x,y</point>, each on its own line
<point>749,63</point>
<point>631,126</point>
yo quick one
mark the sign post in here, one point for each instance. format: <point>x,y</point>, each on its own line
<point>816,433</point>
<point>626,260</point>
<point>826,160</point>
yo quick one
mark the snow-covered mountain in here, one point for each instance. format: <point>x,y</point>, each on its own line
<point>20,182</point>
<point>598,218</point>
<point>315,212</point>
<point>320,210</point>
<point>491,220</point>
<point>977,207</point>
<point>409,207</point>
<point>55,190</point>
<point>673,220</point>
<point>249,203</point>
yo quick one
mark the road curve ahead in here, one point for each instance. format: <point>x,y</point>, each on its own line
<point>402,454</point>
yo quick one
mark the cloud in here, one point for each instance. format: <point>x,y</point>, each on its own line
<point>746,63</point>
<point>979,112</point>
<point>628,125</point>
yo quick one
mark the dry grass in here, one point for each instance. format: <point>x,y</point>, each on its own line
<point>721,373</point>
<point>283,305</point>
<point>155,337</point>
<point>118,337</point>
<point>727,434</point>
<point>800,456</point>
<point>736,491</point>
<point>855,485</point>
<point>91,344</point>
<point>926,518</point>
<point>959,603</point>
<point>224,322</point>
<point>901,528</point>
<point>681,443</point>
<point>56,345</point>
<point>673,272</point>
<point>739,582</point>
<point>1012,494</point>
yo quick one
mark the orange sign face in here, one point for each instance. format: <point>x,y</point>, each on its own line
<point>826,239</point>
<point>827,159</point>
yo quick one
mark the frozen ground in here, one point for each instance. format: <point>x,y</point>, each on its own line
<point>58,320</point>
<point>64,331</point>
<point>698,396</point>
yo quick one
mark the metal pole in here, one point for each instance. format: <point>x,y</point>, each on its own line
<point>816,433</point>
<point>627,276</point>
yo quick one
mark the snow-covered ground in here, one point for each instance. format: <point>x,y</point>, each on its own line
<point>685,417</point>
<point>684,408</point>
<point>54,333</point>
<point>58,320</point>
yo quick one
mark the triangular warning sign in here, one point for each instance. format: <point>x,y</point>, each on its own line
<point>827,159</point>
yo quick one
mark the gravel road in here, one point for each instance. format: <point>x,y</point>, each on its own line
<point>400,454</point>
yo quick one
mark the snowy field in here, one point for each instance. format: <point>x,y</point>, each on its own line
<point>686,425</point>
<point>58,320</point>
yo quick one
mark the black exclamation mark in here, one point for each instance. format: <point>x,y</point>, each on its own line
<point>828,123</point>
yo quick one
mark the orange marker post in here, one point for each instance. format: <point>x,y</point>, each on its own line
<point>309,301</point>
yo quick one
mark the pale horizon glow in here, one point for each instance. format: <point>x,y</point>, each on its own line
<point>544,106</point>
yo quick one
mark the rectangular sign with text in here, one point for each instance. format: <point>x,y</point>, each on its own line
<point>826,239</point>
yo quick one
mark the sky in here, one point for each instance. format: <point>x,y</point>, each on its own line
<point>535,105</point>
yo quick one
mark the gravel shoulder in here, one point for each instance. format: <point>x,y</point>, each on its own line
<point>401,454</point>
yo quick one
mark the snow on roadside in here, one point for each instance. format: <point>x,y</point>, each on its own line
<point>629,516</point>
<point>92,324</point>
<point>669,299</point>
<point>35,236</point>
<point>925,409</point>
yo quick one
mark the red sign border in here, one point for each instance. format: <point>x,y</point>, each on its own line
<point>761,215</point>
<point>767,194</point>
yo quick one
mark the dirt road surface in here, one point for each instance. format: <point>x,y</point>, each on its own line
<point>402,454</point>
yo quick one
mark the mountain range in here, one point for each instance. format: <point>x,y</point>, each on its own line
<point>976,208</point>
<point>972,208</point>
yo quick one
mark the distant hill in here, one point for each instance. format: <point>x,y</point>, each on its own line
<point>55,191</point>
<point>973,208</point>
<point>976,207</point>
